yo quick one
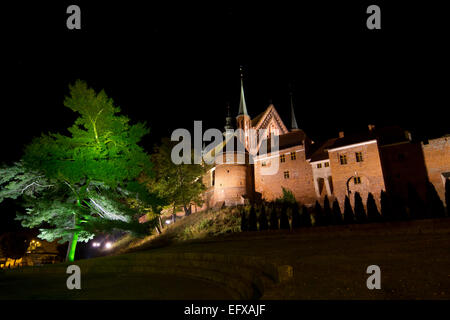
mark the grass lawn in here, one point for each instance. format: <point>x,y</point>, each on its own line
<point>328,263</point>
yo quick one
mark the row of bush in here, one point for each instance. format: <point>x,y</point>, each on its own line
<point>286,213</point>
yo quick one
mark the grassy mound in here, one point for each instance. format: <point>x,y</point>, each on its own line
<point>198,225</point>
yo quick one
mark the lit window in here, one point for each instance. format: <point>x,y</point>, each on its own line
<point>293,155</point>
<point>359,157</point>
<point>282,158</point>
<point>327,164</point>
<point>357,180</point>
<point>286,174</point>
<point>263,164</point>
<point>319,165</point>
<point>343,159</point>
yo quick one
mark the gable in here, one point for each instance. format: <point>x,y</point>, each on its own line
<point>270,120</point>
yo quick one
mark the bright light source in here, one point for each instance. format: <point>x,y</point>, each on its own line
<point>96,244</point>
<point>108,245</point>
<point>168,221</point>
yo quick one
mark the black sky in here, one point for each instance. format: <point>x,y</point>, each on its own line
<point>170,64</point>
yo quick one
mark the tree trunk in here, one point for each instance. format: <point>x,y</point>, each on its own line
<point>160,223</point>
<point>72,247</point>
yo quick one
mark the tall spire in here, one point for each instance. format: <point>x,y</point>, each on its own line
<point>242,104</point>
<point>294,125</point>
<point>228,119</point>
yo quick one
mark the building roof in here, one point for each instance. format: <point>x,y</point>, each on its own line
<point>319,151</point>
<point>384,136</point>
<point>290,139</point>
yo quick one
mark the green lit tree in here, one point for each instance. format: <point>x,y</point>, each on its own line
<point>180,184</point>
<point>75,185</point>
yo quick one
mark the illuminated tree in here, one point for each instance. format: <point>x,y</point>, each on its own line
<point>180,184</point>
<point>75,186</point>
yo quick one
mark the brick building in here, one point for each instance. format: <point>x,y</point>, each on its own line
<point>371,161</point>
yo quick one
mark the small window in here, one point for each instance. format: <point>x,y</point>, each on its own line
<point>282,158</point>
<point>327,164</point>
<point>263,164</point>
<point>359,157</point>
<point>357,180</point>
<point>319,165</point>
<point>343,159</point>
<point>293,155</point>
<point>286,174</point>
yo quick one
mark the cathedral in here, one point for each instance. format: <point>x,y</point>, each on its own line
<point>379,159</point>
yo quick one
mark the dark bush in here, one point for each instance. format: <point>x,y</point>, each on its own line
<point>434,205</point>
<point>373,215</point>
<point>327,213</point>
<point>296,218</point>
<point>360,213</point>
<point>284,218</point>
<point>252,220</point>
<point>274,224</point>
<point>244,222</point>
<point>348,212</point>
<point>337,214</point>
<point>263,223</point>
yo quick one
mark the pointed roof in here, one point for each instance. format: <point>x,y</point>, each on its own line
<point>242,104</point>
<point>294,125</point>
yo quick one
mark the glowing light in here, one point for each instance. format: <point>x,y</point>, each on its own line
<point>168,221</point>
<point>96,244</point>
<point>108,245</point>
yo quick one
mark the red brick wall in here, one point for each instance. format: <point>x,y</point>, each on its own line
<point>300,180</point>
<point>402,164</point>
<point>437,161</point>
<point>369,171</point>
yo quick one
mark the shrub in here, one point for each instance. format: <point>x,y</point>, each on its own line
<point>435,207</point>
<point>337,215</point>
<point>348,212</point>
<point>327,214</point>
<point>273,218</point>
<point>263,223</point>
<point>296,218</point>
<point>305,217</point>
<point>373,215</point>
<point>284,219</point>
<point>386,207</point>
<point>447,195</point>
<point>244,222</point>
<point>288,196</point>
<point>360,213</point>
<point>252,220</point>
<point>318,215</point>
<point>399,208</point>
<point>415,204</point>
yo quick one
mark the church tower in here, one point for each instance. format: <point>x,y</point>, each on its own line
<point>243,119</point>
<point>294,126</point>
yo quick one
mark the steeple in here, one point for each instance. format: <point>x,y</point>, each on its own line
<point>228,120</point>
<point>294,126</point>
<point>242,105</point>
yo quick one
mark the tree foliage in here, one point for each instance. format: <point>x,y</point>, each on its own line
<point>180,184</point>
<point>77,184</point>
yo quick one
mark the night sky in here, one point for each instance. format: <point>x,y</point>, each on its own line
<point>173,63</point>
